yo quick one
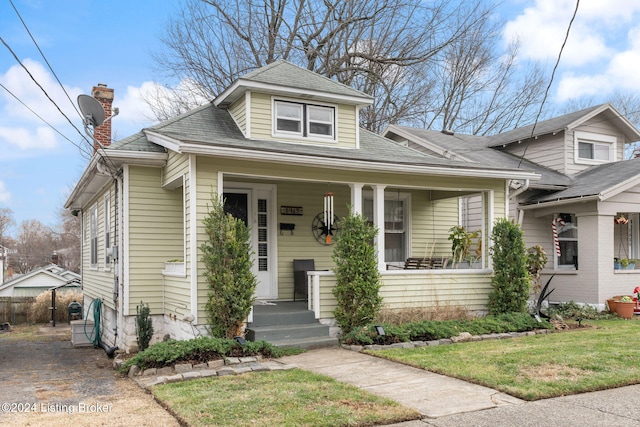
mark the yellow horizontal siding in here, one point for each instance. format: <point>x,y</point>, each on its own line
<point>156,235</point>
<point>429,290</point>
<point>262,122</point>
<point>239,113</point>
<point>177,166</point>
<point>97,281</point>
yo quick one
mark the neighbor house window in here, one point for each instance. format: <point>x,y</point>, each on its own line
<point>304,120</point>
<point>107,229</point>
<point>568,240</point>
<point>591,148</point>
<point>395,226</point>
<point>93,236</point>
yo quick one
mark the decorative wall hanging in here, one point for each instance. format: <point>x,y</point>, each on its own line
<point>325,224</point>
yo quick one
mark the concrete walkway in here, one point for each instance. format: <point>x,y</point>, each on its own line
<point>448,402</point>
<point>433,395</point>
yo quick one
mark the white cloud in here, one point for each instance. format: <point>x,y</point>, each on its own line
<point>602,53</point>
<point>5,195</point>
<point>18,81</point>
<point>41,138</point>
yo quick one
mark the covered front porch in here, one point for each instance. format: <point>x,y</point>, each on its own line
<point>287,220</point>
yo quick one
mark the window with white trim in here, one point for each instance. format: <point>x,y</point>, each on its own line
<point>593,148</point>
<point>304,120</point>
<point>396,240</point>
<point>107,230</point>
<point>93,236</point>
<point>568,241</point>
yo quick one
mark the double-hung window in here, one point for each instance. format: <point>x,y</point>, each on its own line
<point>591,148</point>
<point>304,120</point>
<point>107,230</point>
<point>396,239</point>
<point>93,236</point>
<point>568,241</point>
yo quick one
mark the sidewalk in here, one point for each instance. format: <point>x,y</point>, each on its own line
<point>433,395</point>
<point>448,402</point>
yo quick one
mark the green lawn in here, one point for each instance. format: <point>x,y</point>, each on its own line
<point>604,356</point>
<point>277,398</point>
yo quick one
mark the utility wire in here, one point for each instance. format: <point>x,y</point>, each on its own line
<point>546,93</point>
<point>43,90</point>
<point>82,149</point>
<point>43,57</point>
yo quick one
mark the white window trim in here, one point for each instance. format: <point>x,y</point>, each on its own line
<point>556,258</point>
<point>406,201</point>
<point>106,231</point>
<point>304,123</point>
<point>596,139</point>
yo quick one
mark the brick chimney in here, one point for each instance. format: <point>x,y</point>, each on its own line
<point>54,258</point>
<point>105,96</point>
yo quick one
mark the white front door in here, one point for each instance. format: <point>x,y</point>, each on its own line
<point>254,206</point>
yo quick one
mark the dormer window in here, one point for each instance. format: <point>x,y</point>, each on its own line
<point>297,119</point>
<point>592,148</point>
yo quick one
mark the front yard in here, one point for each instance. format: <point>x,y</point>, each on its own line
<point>602,356</point>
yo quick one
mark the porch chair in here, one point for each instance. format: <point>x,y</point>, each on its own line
<point>300,268</point>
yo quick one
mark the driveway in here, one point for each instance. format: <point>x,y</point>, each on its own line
<point>47,382</point>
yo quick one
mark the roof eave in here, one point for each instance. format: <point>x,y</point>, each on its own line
<point>351,164</point>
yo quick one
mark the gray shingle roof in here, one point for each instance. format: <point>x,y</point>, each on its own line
<point>475,149</point>
<point>541,128</point>
<point>595,180</point>
<point>211,126</point>
<point>286,74</point>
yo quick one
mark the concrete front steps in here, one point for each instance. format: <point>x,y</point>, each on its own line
<point>288,324</point>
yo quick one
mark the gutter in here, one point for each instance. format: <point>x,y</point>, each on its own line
<point>514,195</point>
<point>559,202</point>
<point>362,165</point>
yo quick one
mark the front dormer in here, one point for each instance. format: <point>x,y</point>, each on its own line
<point>285,103</point>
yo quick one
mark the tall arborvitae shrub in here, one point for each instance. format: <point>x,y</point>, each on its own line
<point>227,258</point>
<point>357,277</point>
<point>511,280</point>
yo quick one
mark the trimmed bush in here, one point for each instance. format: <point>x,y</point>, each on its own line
<point>200,350</point>
<point>429,330</point>
<point>227,259</point>
<point>357,277</point>
<point>511,281</point>
<point>144,325</point>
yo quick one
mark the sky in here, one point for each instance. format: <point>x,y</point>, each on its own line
<point>111,42</point>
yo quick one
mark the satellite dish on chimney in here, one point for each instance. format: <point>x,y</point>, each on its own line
<point>92,111</point>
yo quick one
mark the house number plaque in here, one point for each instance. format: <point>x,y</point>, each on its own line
<point>290,210</point>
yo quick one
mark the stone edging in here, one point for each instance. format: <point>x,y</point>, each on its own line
<point>220,367</point>
<point>463,337</point>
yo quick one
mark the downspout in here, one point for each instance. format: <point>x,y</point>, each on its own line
<point>514,195</point>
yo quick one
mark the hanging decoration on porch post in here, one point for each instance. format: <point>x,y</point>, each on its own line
<point>328,215</point>
<point>554,228</point>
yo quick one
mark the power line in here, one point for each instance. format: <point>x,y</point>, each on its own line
<point>43,90</point>
<point>43,57</point>
<point>82,150</point>
<point>546,92</point>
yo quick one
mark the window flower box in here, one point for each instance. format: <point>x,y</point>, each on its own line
<point>174,268</point>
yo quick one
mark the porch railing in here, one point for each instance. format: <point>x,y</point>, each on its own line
<point>468,288</point>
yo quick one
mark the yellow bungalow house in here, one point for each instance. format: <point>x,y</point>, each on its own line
<point>274,144</point>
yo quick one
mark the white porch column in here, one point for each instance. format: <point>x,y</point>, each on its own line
<point>356,197</point>
<point>378,221</point>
